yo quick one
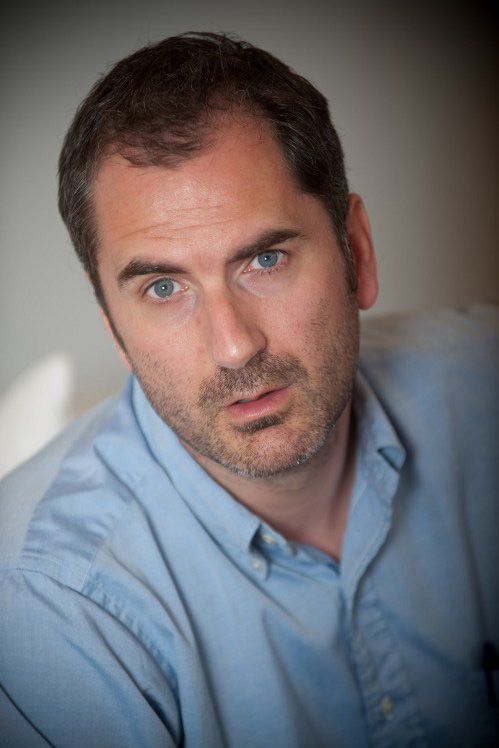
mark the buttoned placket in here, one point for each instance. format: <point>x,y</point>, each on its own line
<point>264,545</point>
<point>389,705</point>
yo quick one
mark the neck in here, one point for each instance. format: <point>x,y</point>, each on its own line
<point>308,504</point>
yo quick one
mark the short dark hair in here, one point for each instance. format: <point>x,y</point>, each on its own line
<point>156,106</point>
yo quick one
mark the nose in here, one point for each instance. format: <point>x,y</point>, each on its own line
<point>233,336</point>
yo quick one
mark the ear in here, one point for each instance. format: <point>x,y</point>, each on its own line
<point>109,327</point>
<point>361,247</point>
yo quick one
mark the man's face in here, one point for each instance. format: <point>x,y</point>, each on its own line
<point>228,289</point>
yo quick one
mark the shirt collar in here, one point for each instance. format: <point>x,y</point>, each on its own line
<point>380,454</point>
<point>223,517</point>
<point>375,432</point>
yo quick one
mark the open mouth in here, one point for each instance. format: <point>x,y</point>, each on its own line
<point>264,404</point>
<point>254,399</point>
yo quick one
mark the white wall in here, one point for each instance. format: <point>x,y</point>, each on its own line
<point>412,88</point>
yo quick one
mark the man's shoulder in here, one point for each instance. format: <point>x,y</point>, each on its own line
<point>445,330</point>
<point>436,370</point>
<point>42,497</point>
<point>415,346</point>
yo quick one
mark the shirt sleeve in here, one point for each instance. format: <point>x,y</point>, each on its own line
<point>73,675</point>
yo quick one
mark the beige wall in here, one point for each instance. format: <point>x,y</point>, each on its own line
<point>412,88</point>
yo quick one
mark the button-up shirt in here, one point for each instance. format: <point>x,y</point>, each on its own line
<point>142,605</point>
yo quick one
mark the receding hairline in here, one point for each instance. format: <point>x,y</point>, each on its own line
<point>210,135</point>
<point>154,105</point>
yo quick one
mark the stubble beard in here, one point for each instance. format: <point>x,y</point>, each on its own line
<point>275,444</point>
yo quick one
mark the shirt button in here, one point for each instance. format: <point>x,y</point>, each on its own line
<point>257,564</point>
<point>268,539</point>
<point>387,706</point>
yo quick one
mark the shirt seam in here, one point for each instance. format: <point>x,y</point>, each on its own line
<point>148,645</point>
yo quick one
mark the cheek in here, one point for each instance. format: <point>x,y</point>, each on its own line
<point>169,362</point>
<point>170,380</point>
<point>175,360</point>
<point>303,320</point>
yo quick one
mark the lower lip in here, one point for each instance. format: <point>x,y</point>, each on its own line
<point>265,406</point>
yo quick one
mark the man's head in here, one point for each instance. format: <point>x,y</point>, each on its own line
<point>224,276</point>
<point>161,106</point>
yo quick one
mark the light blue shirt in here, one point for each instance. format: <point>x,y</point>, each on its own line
<point>141,605</point>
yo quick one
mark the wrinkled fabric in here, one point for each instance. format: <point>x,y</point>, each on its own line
<point>141,605</point>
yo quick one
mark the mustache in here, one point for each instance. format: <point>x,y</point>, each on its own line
<point>262,370</point>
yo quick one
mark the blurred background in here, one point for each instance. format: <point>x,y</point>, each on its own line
<point>413,92</point>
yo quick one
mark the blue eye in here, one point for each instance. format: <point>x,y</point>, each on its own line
<point>163,288</point>
<point>266,260</point>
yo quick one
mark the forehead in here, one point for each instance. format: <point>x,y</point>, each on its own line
<point>242,174</point>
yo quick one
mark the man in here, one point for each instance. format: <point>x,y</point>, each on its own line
<point>255,544</point>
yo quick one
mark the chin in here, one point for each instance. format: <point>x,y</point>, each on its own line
<point>271,450</point>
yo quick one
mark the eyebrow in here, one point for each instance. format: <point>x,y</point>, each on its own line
<point>137,267</point>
